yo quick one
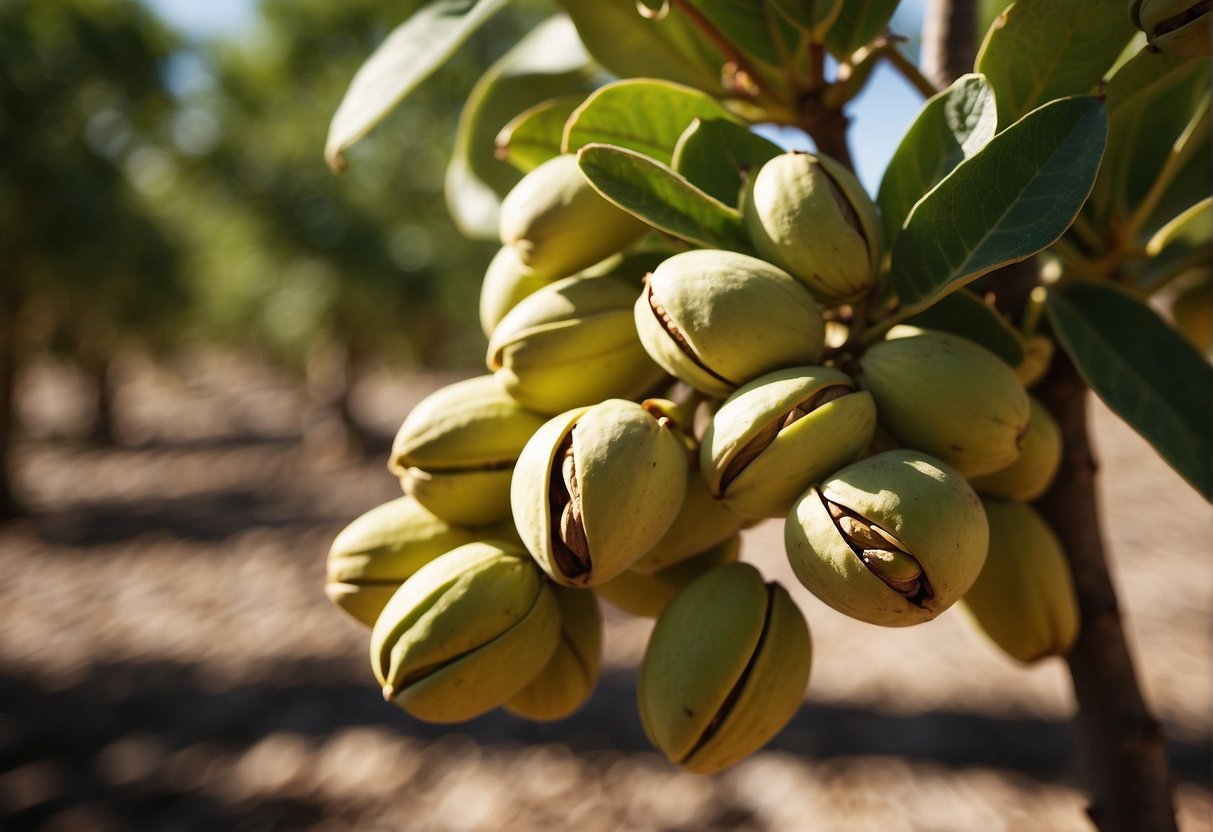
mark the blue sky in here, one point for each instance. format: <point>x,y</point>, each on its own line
<point>880,115</point>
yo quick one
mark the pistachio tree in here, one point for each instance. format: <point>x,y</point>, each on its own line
<point>717,331</point>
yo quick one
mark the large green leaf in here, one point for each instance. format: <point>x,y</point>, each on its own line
<point>632,46</point>
<point>549,61</point>
<point>964,313</point>
<point>858,22</point>
<point>1142,369</point>
<point>715,155</point>
<point>951,127</point>
<point>1150,101</point>
<point>1013,198</point>
<point>535,135</point>
<point>643,115</point>
<point>408,56</point>
<point>1044,49</point>
<point>751,27</point>
<point>662,198</point>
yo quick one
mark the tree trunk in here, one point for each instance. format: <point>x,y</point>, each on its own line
<point>10,506</point>
<point>1121,745</point>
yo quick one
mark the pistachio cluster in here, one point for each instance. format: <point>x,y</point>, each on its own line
<point>563,476</point>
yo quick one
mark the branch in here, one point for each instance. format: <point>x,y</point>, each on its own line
<point>949,40</point>
<point>906,67</point>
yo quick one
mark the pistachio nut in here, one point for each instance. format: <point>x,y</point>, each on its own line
<point>596,488</point>
<point>947,396</point>
<point>571,343</point>
<point>702,523</point>
<point>1037,356</point>
<point>378,551</point>
<point>559,224</point>
<point>894,539</point>
<point>568,679</point>
<point>725,669</point>
<point>1031,474</point>
<point>810,216</point>
<point>465,633</point>
<point>782,432</point>
<point>1024,598</point>
<point>646,595</point>
<point>456,450</point>
<point>506,281</point>
<point>717,319</point>
<point>1177,27</point>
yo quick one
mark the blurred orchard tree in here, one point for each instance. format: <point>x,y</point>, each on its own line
<point>85,267</point>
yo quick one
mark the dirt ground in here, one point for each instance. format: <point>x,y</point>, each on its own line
<point>168,660</point>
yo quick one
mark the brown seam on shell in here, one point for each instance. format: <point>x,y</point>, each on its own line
<point>667,323</point>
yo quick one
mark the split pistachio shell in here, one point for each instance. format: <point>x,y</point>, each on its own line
<point>506,281</point>
<point>894,539</point>
<point>810,216</point>
<point>456,450</point>
<point>596,488</point>
<point>947,396</point>
<point>572,343</point>
<point>559,224</point>
<point>1176,27</point>
<point>781,433</point>
<point>568,679</point>
<point>1024,599</point>
<point>377,552</point>
<point>717,319</point>
<point>1029,476</point>
<point>725,669</point>
<point>648,594</point>
<point>702,523</point>
<point>465,633</point>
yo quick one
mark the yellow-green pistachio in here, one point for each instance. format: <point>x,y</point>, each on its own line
<point>465,633</point>
<point>894,539</point>
<point>568,679</point>
<point>717,319</point>
<point>702,523</point>
<point>810,216</point>
<point>456,450</point>
<point>1029,476</point>
<point>781,433</point>
<point>725,669</point>
<point>947,396</point>
<point>559,224</point>
<point>506,281</point>
<point>572,343</point>
<point>1177,27</point>
<point>648,594</point>
<point>1192,311</point>
<point>1024,597</point>
<point>1037,356</point>
<point>596,488</point>
<point>380,550</point>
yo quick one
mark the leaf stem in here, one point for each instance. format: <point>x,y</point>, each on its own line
<point>889,51</point>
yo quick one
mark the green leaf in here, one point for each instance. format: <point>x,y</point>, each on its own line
<point>408,56</point>
<point>642,115</point>
<point>1150,101</point>
<point>1013,198</point>
<point>1186,241</point>
<point>750,27</point>
<point>858,22</point>
<point>1042,49</point>
<point>534,135</point>
<point>631,46</point>
<point>662,198</point>
<point>1142,369</point>
<point>813,16</point>
<point>952,126</point>
<point>964,313</point>
<point>549,61</point>
<point>716,154</point>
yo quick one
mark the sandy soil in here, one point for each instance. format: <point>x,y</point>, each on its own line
<point>168,660</point>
